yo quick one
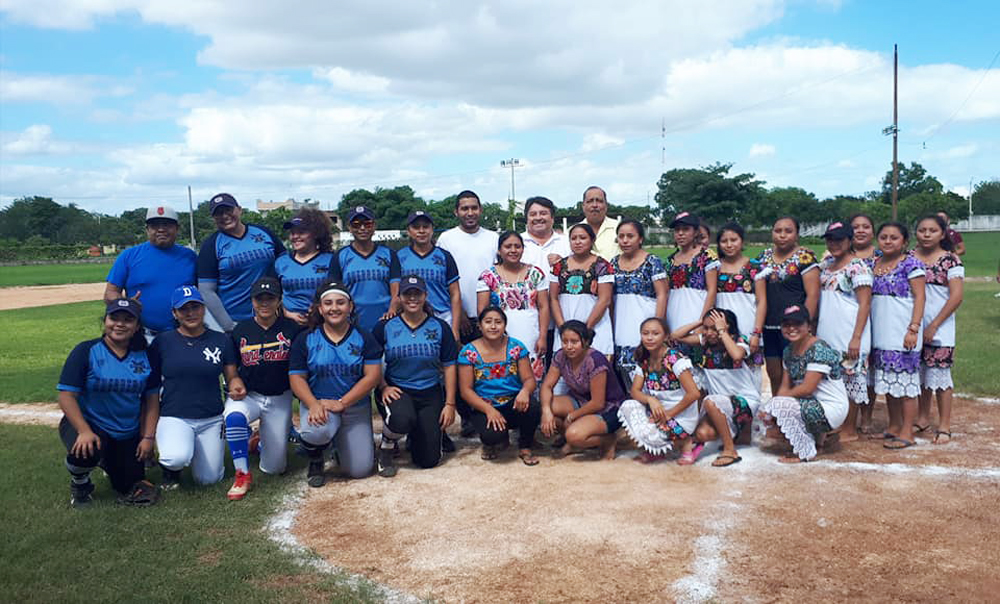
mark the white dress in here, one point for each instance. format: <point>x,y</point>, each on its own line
<point>838,312</point>
<point>664,384</point>
<point>688,287</point>
<point>578,296</point>
<point>519,302</point>
<point>727,381</point>
<point>635,301</point>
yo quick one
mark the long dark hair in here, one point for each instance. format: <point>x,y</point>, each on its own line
<point>731,322</point>
<point>138,341</point>
<point>733,227</point>
<point>315,319</point>
<point>641,355</point>
<point>580,328</point>
<point>504,236</point>
<point>318,223</point>
<point>946,243</point>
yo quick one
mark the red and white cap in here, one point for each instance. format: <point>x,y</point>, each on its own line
<point>161,211</point>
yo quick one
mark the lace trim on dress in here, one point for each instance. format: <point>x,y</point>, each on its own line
<point>896,384</point>
<point>787,412</point>
<point>936,378</point>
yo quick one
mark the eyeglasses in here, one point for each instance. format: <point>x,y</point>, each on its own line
<point>362,224</point>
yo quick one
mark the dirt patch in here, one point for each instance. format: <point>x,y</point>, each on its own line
<point>33,414</point>
<point>210,558</point>
<point>862,523</point>
<point>49,295</point>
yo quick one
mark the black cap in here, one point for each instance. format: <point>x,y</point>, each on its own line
<point>266,285</point>
<point>125,305</point>
<point>685,219</point>
<point>839,230</point>
<point>220,200</point>
<point>795,314</point>
<point>293,223</point>
<point>411,282</point>
<point>360,212</point>
<point>418,214</point>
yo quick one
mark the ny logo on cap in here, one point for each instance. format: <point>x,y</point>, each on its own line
<point>218,199</point>
<point>412,280</point>
<point>359,209</point>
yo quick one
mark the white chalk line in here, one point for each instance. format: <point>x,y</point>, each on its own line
<point>989,400</point>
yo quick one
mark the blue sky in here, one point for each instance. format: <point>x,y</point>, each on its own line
<point>114,104</point>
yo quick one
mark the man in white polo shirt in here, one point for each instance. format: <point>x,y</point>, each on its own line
<point>543,246</point>
<point>595,213</point>
<point>474,249</point>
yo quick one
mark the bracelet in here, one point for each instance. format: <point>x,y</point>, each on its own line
<point>148,438</point>
<point>756,332</point>
<point>912,328</point>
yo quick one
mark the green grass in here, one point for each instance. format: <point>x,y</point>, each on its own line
<point>53,274</point>
<point>195,546</point>
<point>975,368</point>
<point>982,250</point>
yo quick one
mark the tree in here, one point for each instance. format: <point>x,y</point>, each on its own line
<point>710,193</point>
<point>790,201</point>
<point>916,206</point>
<point>986,197</point>
<point>912,180</point>
<point>392,206</point>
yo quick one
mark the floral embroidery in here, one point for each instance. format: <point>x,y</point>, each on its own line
<point>716,357</point>
<point>662,378</point>
<point>520,295</point>
<point>937,273</point>
<point>897,282</point>
<point>937,356</point>
<point>639,281</point>
<point>855,273</point>
<point>897,361</point>
<point>579,281</point>
<point>740,282</point>
<point>793,266</point>
<point>819,352</point>
<point>692,274</point>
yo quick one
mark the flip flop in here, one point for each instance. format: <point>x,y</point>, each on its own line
<point>895,443</point>
<point>724,460</point>
<point>938,434</point>
<point>691,456</point>
<point>528,459</point>
<point>918,428</point>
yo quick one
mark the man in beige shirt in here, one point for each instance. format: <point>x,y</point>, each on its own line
<point>595,213</point>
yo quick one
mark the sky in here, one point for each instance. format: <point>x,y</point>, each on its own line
<point>117,104</point>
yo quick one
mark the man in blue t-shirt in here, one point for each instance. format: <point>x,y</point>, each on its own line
<point>151,271</point>
<point>232,259</point>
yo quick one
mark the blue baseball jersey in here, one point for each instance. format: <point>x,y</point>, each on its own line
<point>333,368</point>
<point>299,280</point>
<point>154,273</point>
<point>367,278</point>
<point>414,356</point>
<point>191,368</point>
<point>437,269</point>
<point>109,389</point>
<point>235,264</point>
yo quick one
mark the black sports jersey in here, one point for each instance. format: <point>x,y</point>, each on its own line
<point>264,353</point>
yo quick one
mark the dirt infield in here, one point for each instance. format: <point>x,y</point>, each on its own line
<point>860,524</point>
<point>49,295</point>
<point>32,414</point>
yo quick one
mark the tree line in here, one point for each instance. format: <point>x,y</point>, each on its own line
<point>710,192</point>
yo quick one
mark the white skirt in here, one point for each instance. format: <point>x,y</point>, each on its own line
<point>684,306</point>
<point>579,306</point>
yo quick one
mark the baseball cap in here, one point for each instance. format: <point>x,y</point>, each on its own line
<point>685,219</point>
<point>266,285</point>
<point>838,230</point>
<point>124,304</point>
<point>417,214</point>
<point>360,212</point>
<point>412,282</point>
<point>220,200</point>
<point>184,294</point>
<point>795,314</point>
<point>294,223</point>
<point>166,212</point>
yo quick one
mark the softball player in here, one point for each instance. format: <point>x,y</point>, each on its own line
<point>263,344</point>
<point>333,368</point>
<point>191,358</point>
<point>109,395</point>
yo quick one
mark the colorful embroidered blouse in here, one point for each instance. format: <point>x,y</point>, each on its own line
<point>739,282</point>
<point>945,268</point>
<point>692,274</point>
<point>716,357</point>
<point>664,377</point>
<point>579,281</point>
<point>519,295</point>
<point>784,281</point>
<point>638,281</point>
<point>897,282</point>
<point>819,357</point>
<point>856,273</point>
<point>495,382</point>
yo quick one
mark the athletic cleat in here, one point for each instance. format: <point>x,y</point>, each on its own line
<point>240,487</point>
<point>142,494</point>
<point>171,480</point>
<point>80,495</point>
<point>386,464</point>
<point>315,476</point>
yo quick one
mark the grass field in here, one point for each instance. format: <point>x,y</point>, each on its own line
<point>194,547</point>
<point>53,274</point>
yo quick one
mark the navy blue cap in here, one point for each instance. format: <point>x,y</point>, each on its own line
<point>360,212</point>
<point>184,294</point>
<point>418,214</point>
<point>411,282</point>
<point>839,230</point>
<point>685,219</point>
<point>126,305</point>
<point>220,200</point>
<point>293,223</point>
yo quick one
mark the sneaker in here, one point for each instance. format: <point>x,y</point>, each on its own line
<point>142,494</point>
<point>240,486</point>
<point>386,464</point>
<point>171,480</point>
<point>447,444</point>
<point>253,444</point>
<point>80,495</point>
<point>315,476</point>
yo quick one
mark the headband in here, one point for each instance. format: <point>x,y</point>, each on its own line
<point>336,289</point>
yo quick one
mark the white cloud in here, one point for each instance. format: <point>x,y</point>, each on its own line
<point>352,82</point>
<point>761,150</point>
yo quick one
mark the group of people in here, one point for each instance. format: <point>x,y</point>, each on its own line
<point>579,334</point>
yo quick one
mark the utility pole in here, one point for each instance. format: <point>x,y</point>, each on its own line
<point>194,245</point>
<point>894,129</point>
<point>511,163</point>
<point>970,200</point>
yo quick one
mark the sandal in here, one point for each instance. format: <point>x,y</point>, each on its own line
<point>895,443</point>
<point>489,453</point>
<point>527,458</point>
<point>725,459</point>
<point>937,437</point>
<point>917,428</point>
<point>691,456</point>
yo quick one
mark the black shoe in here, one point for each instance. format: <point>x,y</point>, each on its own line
<point>171,480</point>
<point>468,430</point>
<point>142,494</point>
<point>315,476</point>
<point>80,494</point>
<point>447,444</point>
<point>386,464</point>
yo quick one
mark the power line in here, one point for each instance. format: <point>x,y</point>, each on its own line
<point>960,107</point>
